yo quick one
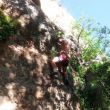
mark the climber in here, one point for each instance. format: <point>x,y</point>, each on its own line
<point>65,44</point>
<point>60,62</point>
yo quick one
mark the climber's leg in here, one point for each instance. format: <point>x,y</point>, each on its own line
<point>64,73</point>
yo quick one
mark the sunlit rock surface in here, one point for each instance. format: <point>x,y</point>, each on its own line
<point>7,104</point>
<point>58,14</point>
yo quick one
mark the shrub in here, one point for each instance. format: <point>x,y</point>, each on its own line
<point>8,26</point>
<point>97,95</point>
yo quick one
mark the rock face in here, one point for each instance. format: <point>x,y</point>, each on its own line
<point>34,24</point>
<point>58,14</point>
<point>25,76</point>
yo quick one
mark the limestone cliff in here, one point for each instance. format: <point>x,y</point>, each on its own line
<point>58,14</point>
<point>25,75</point>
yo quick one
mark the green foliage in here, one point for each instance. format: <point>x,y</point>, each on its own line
<point>92,50</point>
<point>94,90</point>
<point>59,34</point>
<point>97,94</point>
<point>74,63</point>
<point>91,44</point>
<point>54,52</point>
<point>104,36</point>
<point>8,26</point>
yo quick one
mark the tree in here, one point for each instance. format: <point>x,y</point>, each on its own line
<point>104,36</point>
<point>94,89</point>
<point>87,36</point>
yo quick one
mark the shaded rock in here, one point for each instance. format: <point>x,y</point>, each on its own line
<point>24,69</point>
